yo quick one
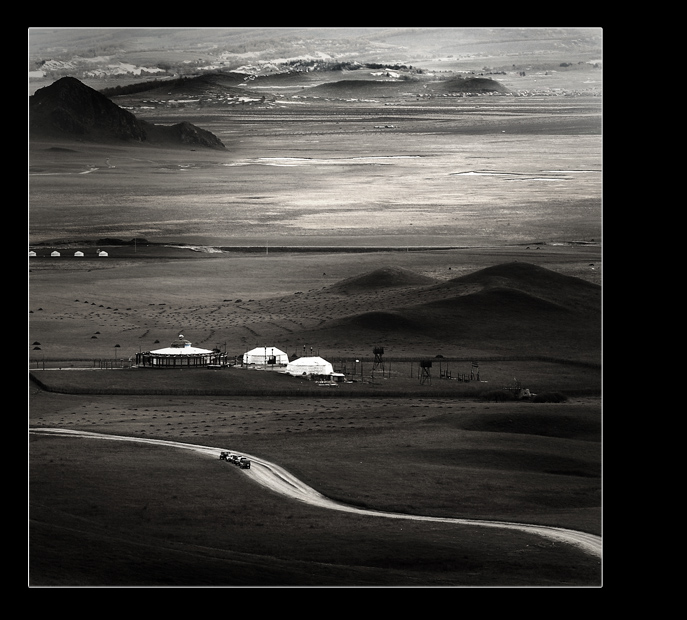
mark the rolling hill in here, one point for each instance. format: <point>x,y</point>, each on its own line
<point>207,84</point>
<point>383,278</point>
<point>356,89</point>
<point>531,279</point>
<point>510,309</point>
<point>478,85</point>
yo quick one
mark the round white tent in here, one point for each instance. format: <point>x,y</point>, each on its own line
<point>309,366</point>
<point>266,356</point>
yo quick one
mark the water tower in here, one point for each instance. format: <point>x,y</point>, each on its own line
<point>379,358</point>
<point>425,372</point>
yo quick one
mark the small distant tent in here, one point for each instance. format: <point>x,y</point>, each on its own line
<point>55,253</point>
<point>270,356</point>
<point>78,253</point>
<point>309,366</point>
<point>32,253</point>
<point>102,253</point>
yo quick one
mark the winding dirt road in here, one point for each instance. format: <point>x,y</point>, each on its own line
<point>279,480</point>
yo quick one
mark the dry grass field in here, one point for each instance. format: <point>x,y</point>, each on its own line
<point>454,188</point>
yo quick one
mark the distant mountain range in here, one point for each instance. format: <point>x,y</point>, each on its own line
<point>100,51</point>
<point>69,109</point>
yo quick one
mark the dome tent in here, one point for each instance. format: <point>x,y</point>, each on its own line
<point>309,366</point>
<point>266,356</point>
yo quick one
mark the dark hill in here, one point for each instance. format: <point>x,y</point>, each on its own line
<point>183,133</point>
<point>70,109</point>
<point>473,85</point>
<point>383,278</point>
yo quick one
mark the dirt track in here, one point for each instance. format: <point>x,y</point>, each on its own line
<point>279,480</point>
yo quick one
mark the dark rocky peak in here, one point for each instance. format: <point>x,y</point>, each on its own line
<point>69,109</point>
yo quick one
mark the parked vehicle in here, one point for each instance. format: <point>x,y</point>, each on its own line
<point>236,459</point>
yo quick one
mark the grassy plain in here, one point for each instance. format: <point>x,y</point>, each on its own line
<point>496,180</point>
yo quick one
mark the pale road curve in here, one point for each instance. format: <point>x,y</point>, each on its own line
<point>279,480</point>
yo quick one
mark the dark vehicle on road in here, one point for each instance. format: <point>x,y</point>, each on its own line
<point>236,459</point>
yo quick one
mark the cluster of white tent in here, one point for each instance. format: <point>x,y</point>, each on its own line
<point>182,353</point>
<point>77,253</point>
<point>302,366</point>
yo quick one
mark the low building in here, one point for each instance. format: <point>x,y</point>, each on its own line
<point>181,354</point>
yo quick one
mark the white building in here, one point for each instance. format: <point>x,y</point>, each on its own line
<point>265,356</point>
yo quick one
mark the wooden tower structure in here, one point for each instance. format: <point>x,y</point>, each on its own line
<point>425,372</point>
<point>379,358</point>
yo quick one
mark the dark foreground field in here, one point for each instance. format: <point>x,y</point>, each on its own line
<point>104,514</point>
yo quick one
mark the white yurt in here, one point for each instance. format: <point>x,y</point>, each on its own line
<point>102,253</point>
<point>309,366</point>
<point>78,253</point>
<point>270,356</point>
<point>55,253</point>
